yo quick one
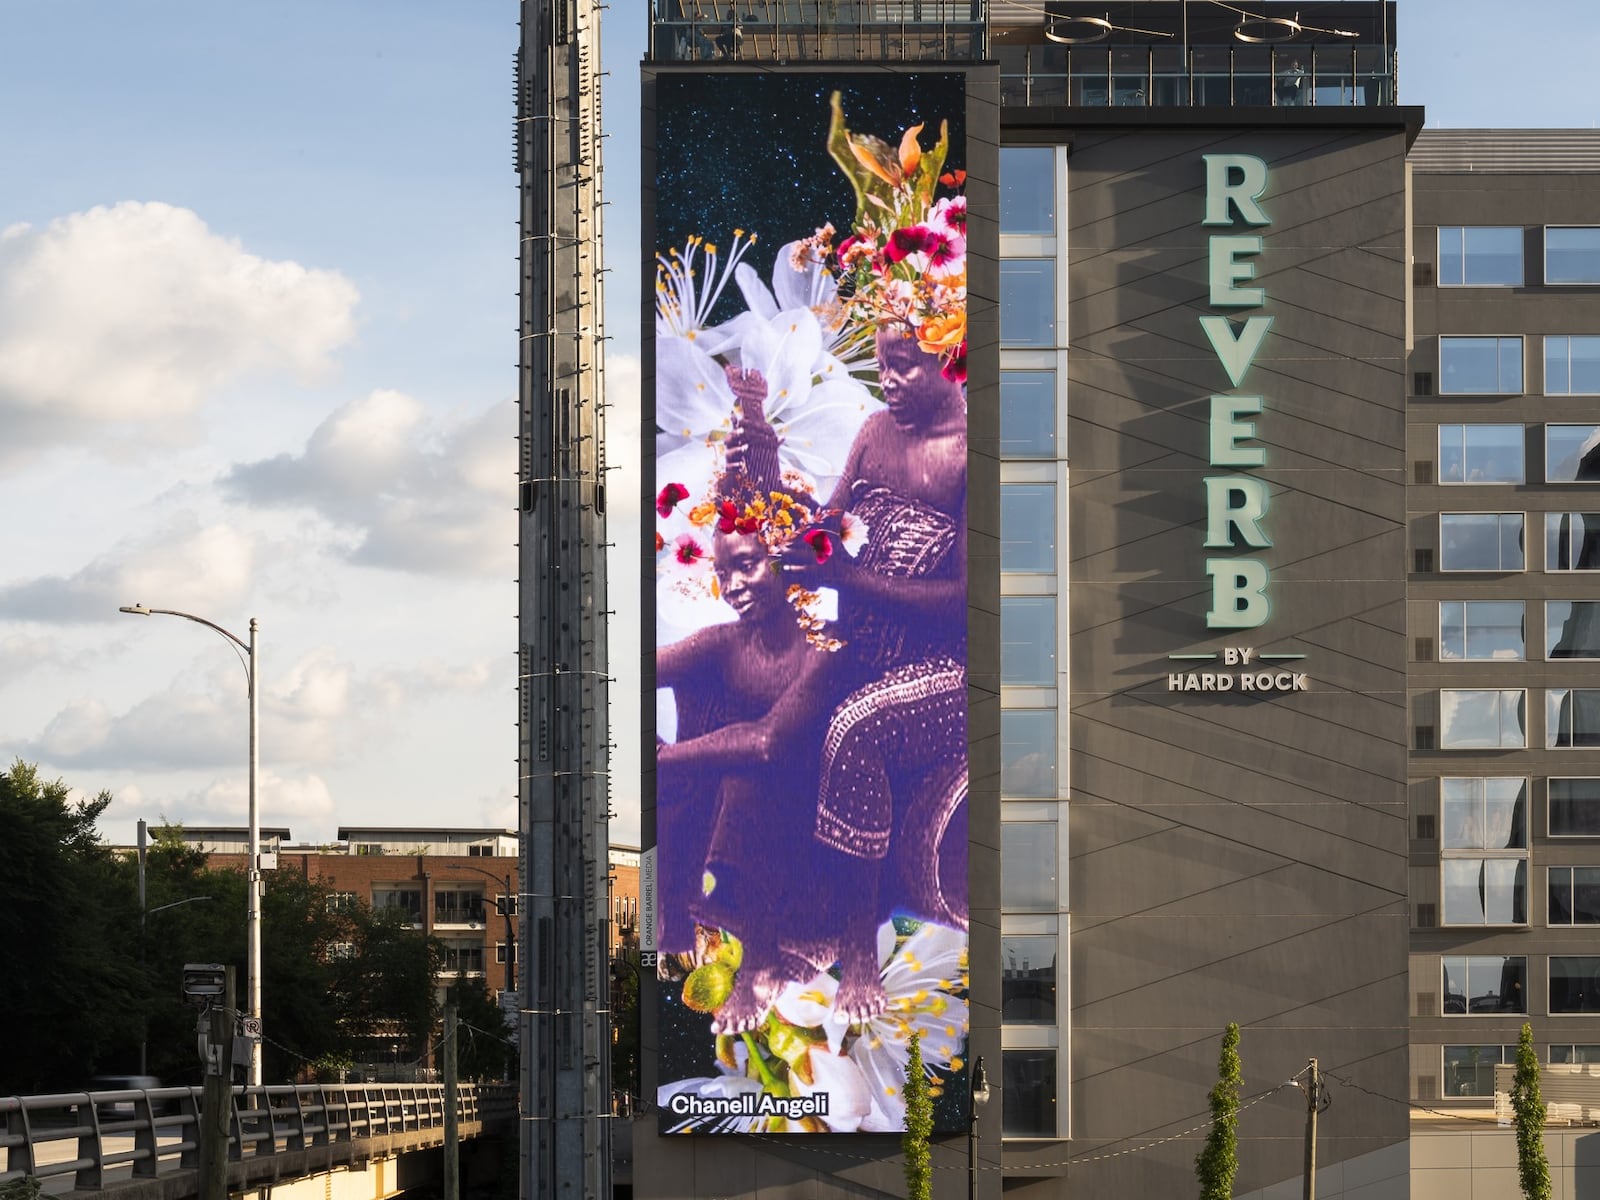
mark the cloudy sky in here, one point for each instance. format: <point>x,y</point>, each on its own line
<point>257,350</point>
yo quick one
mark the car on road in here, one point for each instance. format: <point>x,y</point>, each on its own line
<point>121,1083</point>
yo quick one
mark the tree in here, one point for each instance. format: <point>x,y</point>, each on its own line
<point>68,937</point>
<point>383,989</point>
<point>1218,1162</point>
<point>919,1126</point>
<point>483,1051</point>
<point>1532,1168</point>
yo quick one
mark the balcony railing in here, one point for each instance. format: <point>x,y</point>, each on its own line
<point>1222,76</point>
<point>798,31</point>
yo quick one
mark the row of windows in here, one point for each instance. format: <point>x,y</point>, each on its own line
<point>1485,984</point>
<point>1491,255</point>
<point>1496,719</point>
<point>1479,366</point>
<point>1490,812</point>
<point>1497,453</point>
<point>1493,630</point>
<point>1469,1070</point>
<point>1494,541</point>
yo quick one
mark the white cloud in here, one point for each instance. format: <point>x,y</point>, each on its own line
<point>119,322</point>
<point>281,800</point>
<point>185,566</point>
<point>415,495</point>
<point>21,654</point>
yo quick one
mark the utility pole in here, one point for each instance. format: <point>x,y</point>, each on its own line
<point>452,1132</point>
<point>1313,1106</point>
<point>217,1100</point>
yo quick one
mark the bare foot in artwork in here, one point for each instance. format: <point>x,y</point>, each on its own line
<point>860,996</point>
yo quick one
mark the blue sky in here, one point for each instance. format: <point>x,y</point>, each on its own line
<point>257,348</point>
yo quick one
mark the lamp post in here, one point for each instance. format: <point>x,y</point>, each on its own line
<point>977,1095</point>
<point>252,918</point>
<point>511,933</point>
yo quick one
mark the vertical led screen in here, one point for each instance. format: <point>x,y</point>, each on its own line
<point>811,595</point>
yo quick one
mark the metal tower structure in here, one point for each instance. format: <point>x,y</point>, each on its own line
<point>563,791</point>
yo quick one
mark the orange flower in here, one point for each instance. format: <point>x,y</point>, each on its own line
<point>703,514</point>
<point>910,152</point>
<point>942,333</point>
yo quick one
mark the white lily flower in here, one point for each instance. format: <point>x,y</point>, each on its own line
<point>685,301</point>
<point>801,279</point>
<point>849,1096</point>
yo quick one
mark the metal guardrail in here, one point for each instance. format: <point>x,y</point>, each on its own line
<point>164,1125</point>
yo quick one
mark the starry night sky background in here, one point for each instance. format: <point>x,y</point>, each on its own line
<point>748,151</point>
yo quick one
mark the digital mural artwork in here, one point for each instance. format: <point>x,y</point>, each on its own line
<point>811,670</point>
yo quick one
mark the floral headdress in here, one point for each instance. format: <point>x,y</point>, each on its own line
<point>905,262</point>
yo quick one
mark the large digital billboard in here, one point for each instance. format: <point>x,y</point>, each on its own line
<point>811,598</point>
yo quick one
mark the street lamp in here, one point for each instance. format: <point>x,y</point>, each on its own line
<point>252,918</point>
<point>977,1095</point>
<point>505,911</point>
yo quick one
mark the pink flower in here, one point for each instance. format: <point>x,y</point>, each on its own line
<point>950,214</point>
<point>954,368</point>
<point>688,550</point>
<point>821,544</point>
<point>668,498</point>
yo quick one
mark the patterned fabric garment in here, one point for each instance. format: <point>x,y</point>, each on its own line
<point>906,539</point>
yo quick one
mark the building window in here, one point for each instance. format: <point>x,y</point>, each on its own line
<point>1028,527</point>
<point>1574,984</point>
<point>1485,983</point>
<point>406,899</point>
<point>500,953</point>
<point>1484,813</point>
<point>1575,1054</point>
<point>1484,891</point>
<point>1480,630</point>
<point>1030,1094</point>
<point>1028,863</point>
<point>1572,718</point>
<point>1572,541</point>
<point>454,908</point>
<point>1480,255</point>
<point>504,905</point>
<point>1571,365</point>
<point>1028,752</point>
<point>1027,414</point>
<point>338,951</point>
<point>1028,980</point>
<point>1574,895</point>
<point>1469,1070</point>
<point>463,957</point>
<point>1027,302</point>
<point>1574,809</point>
<point>1028,190</point>
<point>1477,366</point>
<point>363,849</point>
<point>1482,719</point>
<point>1572,453</point>
<point>1572,629</point>
<point>480,851</point>
<point>1481,454</point>
<point>1028,640</point>
<point>1572,254</point>
<point>341,902</point>
<point>1480,542</point>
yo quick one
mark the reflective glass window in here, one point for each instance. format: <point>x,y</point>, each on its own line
<point>1030,1094</point>
<point>1482,719</point>
<point>1572,541</point>
<point>1028,980</point>
<point>1572,629</point>
<point>1572,254</point>
<point>1574,895</point>
<point>1480,454</point>
<point>1572,718</point>
<point>1028,527</point>
<point>1480,255</point>
<point>1027,414</point>
<point>1480,365</point>
<point>1574,984</point>
<point>1027,190</point>
<point>1485,983</point>
<point>1484,813</point>
<point>1480,630</point>
<point>1575,1054</point>
<point>1028,867</point>
<point>1480,542</point>
<point>1572,453</point>
<point>1028,640</point>
<point>1484,891</point>
<point>1027,302</point>
<point>1574,807</point>
<point>1469,1070</point>
<point>1028,752</point>
<point>1572,365</point>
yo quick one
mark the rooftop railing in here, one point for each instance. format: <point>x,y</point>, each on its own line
<point>800,31</point>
